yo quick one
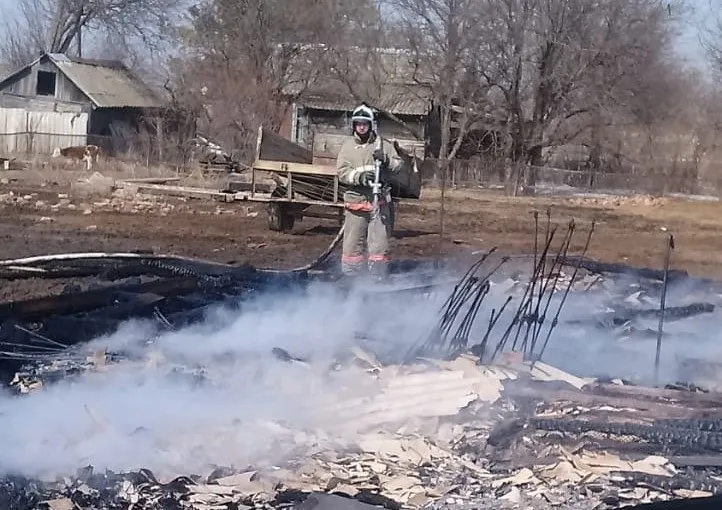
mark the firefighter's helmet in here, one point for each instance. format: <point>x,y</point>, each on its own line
<point>363,114</point>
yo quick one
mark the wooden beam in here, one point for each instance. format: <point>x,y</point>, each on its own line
<point>152,180</point>
<point>273,147</point>
<point>266,198</point>
<point>322,215</point>
<point>181,191</point>
<point>294,168</point>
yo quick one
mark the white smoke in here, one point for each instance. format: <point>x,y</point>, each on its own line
<point>213,394</point>
<point>209,395</point>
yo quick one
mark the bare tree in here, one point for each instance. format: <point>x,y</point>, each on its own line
<point>558,63</point>
<point>711,35</point>
<point>442,37</point>
<point>57,26</point>
<point>244,58</point>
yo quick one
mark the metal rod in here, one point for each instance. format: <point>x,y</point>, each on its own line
<point>556,270</point>
<point>40,337</point>
<point>660,327</point>
<point>525,301</point>
<point>555,320</point>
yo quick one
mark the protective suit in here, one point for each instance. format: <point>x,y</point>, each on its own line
<point>366,230</point>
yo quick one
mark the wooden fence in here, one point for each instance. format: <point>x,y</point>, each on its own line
<point>489,174</point>
<point>34,132</point>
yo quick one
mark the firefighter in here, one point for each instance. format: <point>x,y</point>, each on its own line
<point>367,229</point>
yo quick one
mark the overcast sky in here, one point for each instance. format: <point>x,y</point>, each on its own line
<point>688,45</point>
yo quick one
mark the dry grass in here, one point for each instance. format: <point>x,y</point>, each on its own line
<point>628,229</point>
<point>632,230</point>
<point>63,172</point>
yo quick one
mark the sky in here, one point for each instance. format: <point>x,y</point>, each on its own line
<point>688,45</point>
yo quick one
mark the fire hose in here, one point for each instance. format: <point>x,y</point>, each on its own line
<point>27,266</point>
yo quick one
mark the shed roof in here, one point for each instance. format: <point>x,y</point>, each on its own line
<point>107,83</point>
<point>383,77</point>
<point>397,106</point>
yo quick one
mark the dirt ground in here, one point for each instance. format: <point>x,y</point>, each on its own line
<point>42,216</point>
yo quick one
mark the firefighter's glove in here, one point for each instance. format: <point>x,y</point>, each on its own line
<point>381,157</point>
<point>367,178</point>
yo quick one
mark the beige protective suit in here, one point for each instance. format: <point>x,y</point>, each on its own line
<point>366,231</point>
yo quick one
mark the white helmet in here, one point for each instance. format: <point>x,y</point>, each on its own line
<point>363,114</point>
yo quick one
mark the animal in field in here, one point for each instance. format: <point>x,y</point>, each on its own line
<point>87,153</point>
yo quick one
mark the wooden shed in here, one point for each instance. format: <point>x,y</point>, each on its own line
<point>320,114</point>
<point>59,101</point>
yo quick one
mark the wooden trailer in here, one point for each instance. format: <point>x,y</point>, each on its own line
<point>284,177</point>
<point>302,188</point>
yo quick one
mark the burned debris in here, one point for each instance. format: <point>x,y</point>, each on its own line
<point>469,413</point>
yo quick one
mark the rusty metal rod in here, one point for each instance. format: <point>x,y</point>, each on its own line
<point>660,327</point>
<point>555,320</point>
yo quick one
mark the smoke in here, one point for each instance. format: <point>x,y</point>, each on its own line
<point>214,394</point>
<point>587,344</point>
<point>210,394</point>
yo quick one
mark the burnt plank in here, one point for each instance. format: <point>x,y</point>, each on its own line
<point>697,461</point>
<point>92,299</point>
<point>686,398</point>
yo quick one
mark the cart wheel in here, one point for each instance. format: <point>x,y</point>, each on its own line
<point>279,218</point>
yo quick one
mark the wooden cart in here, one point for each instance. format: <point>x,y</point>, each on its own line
<point>301,188</point>
<point>284,177</point>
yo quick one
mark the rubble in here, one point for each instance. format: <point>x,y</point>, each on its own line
<point>460,430</point>
<point>453,455</point>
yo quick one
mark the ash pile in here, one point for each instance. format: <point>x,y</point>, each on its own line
<point>470,395</point>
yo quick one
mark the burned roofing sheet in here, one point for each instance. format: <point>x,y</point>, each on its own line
<point>108,84</point>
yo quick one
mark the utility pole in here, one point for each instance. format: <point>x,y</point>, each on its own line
<point>80,34</point>
<point>79,40</point>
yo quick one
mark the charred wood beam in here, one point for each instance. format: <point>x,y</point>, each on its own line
<point>69,330</point>
<point>705,424</point>
<point>93,299</point>
<point>671,313</point>
<point>697,461</point>
<point>657,434</point>
<point>710,503</point>
<point>618,268</point>
<point>706,401</point>
<point>683,481</point>
<point>648,408</point>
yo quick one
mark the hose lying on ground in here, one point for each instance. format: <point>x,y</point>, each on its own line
<point>315,262</point>
<point>26,265</point>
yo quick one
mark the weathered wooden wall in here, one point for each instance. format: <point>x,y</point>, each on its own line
<point>25,84</point>
<point>40,132</point>
<point>325,131</point>
<point>37,104</point>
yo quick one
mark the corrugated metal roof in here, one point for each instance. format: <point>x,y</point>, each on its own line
<point>108,84</point>
<point>383,78</point>
<point>410,106</point>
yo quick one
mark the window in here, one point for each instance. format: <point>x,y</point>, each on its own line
<point>46,84</point>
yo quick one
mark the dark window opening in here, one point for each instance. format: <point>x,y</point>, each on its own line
<point>46,84</point>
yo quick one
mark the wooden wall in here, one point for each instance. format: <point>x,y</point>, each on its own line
<point>325,131</point>
<point>26,82</point>
<point>40,132</point>
<point>47,104</point>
